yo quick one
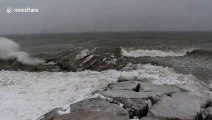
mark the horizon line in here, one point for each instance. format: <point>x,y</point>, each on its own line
<point>99,32</point>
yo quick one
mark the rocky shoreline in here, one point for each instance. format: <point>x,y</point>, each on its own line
<point>140,100</point>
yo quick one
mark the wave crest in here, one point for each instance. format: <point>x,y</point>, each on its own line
<point>200,52</point>
<point>152,53</point>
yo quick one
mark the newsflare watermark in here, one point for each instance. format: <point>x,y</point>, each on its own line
<point>10,10</point>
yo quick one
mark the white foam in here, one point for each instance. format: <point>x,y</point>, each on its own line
<point>10,49</point>
<point>28,95</point>
<point>151,53</point>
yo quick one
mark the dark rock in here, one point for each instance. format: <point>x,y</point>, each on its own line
<point>92,59</point>
<point>207,114</point>
<point>180,106</point>
<point>91,115</point>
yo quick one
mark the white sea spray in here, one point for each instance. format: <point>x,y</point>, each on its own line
<point>11,50</point>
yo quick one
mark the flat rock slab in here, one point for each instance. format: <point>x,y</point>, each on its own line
<point>98,104</point>
<point>180,106</point>
<point>91,115</point>
<point>165,89</point>
<point>127,85</point>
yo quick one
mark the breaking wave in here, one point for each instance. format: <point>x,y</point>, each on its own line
<point>200,52</point>
<point>11,50</point>
<point>153,53</point>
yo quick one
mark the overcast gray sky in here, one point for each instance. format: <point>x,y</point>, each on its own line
<point>106,15</point>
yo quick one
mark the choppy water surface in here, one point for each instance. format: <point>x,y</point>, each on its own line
<point>169,49</point>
